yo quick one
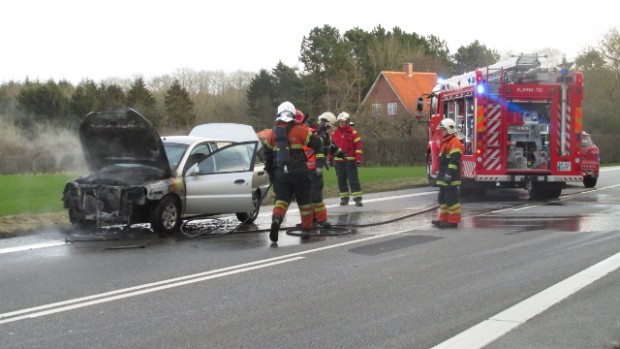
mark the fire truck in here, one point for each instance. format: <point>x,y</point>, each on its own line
<point>520,126</point>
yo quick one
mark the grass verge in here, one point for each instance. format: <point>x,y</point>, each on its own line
<point>30,202</point>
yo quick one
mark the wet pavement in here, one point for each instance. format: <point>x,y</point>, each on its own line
<point>507,209</point>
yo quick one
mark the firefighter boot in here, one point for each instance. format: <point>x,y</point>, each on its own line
<point>344,201</point>
<point>275,228</point>
<point>358,202</point>
<point>436,222</point>
<point>323,224</point>
<point>305,234</point>
<point>444,225</point>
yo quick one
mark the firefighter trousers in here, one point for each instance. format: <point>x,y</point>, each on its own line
<point>346,173</point>
<point>295,184</point>
<point>318,205</point>
<point>449,204</point>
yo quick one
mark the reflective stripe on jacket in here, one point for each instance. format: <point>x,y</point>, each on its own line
<point>298,137</point>
<point>347,139</point>
<point>450,152</point>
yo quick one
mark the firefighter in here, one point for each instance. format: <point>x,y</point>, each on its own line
<point>449,176</point>
<point>316,165</point>
<point>285,162</point>
<point>347,139</point>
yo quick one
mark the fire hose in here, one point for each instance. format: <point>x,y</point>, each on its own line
<point>215,228</point>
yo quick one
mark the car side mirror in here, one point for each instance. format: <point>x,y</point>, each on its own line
<point>193,171</point>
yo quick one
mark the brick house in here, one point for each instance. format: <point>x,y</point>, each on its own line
<point>395,93</point>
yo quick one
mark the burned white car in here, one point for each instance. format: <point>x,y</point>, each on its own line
<point>139,177</point>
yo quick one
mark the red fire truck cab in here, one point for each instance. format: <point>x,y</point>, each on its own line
<point>520,126</point>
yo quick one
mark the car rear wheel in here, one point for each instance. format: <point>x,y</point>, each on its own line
<point>250,217</point>
<point>166,216</point>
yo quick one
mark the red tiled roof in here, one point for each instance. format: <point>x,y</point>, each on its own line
<point>410,87</point>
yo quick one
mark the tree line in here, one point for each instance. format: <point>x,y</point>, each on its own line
<point>337,71</point>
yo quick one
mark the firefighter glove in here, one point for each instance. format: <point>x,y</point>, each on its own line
<point>358,162</point>
<point>330,162</point>
<point>318,171</point>
<point>447,179</point>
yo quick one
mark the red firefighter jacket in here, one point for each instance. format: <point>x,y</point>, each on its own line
<point>314,158</point>
<point>347,139</point>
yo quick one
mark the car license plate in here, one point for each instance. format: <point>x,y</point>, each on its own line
<point>564,166</point>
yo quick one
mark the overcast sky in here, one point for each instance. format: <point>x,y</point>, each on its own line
<point>100,39</point>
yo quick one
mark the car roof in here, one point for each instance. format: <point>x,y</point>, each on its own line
<point>217,132</point>
<point>225,131</point>
<point>184,139</point>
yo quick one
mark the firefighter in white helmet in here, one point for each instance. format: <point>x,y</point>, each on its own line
<point>327,118</point>
<point>449,176</point>
<point>316,165</point>
<point>285,162</point>
<point>347,139</point>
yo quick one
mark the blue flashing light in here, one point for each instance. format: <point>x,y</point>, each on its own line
<point>480,89</point>
<point>564,71</point>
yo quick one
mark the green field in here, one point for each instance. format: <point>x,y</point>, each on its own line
<point>24,194</point>
<point>31,193</point>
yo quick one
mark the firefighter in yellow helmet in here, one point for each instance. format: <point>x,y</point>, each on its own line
<point>449,176</point>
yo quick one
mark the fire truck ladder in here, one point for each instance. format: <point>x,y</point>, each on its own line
<point>511,68</point>
<point>496,73</point>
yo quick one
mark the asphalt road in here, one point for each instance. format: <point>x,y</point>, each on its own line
<point>515,274</point>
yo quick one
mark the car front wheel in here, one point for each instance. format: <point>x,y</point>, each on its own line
<point>166,216</point>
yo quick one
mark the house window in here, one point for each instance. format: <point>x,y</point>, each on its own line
<point>392,108</point>
<point>376,109</point>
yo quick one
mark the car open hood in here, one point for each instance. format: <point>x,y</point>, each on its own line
<point>120,135</point>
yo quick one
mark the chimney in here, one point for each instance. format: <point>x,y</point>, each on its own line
<point>408,68</point>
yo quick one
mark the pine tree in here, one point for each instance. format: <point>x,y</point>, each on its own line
<point>179,108</point>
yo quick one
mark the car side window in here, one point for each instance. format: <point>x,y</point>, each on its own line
<point>232,158</point>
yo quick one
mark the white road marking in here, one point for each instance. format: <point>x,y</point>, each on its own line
<point>498,325</point>
<point>31,247</point>
<point>165,284</point>
<point>76,303</point>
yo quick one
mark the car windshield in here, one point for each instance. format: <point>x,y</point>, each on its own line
<point>174,152</point>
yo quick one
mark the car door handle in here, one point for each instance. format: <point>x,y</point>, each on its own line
<point>239,181</point>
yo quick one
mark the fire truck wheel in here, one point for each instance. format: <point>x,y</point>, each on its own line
<point>539,192</point>
<point>589,181</point>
